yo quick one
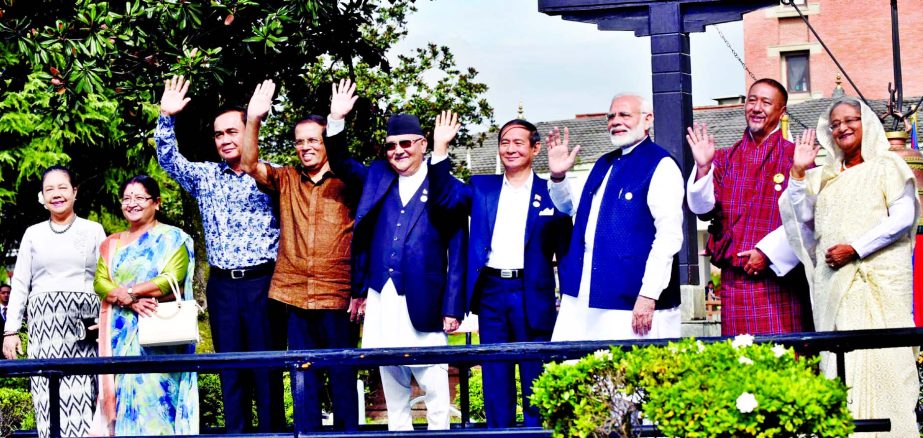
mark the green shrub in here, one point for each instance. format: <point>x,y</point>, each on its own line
<point>475,396</point>
<point>15,383</point>
<point>211,407</point>
<point>690,389</point>
<point>585,398</point>
<point>16,410</point>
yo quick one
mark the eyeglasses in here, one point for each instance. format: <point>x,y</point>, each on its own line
<point>404,144</point>
<point>301,142</point>
<point>137,200</point>
<point>847,121</point>
<point>622,116</point>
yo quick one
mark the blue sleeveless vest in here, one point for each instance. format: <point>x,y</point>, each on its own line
<point>386,257</point>
<point>624,232</point>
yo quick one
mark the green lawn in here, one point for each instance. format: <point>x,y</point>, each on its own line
<point>459,339</point>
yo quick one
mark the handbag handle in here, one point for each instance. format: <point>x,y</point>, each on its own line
<point>174,285</point>
<point>179,308</point>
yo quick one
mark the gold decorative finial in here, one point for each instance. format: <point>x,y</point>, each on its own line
<point>519,113</point>
<point>784,127</point>
<point>838,91</point>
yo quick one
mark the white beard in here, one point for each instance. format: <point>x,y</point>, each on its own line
<point>635,135</point>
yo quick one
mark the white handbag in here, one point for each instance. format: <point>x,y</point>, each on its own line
<point>173,323</point>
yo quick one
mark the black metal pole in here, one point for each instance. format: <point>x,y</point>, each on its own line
<point>54,404</point>
<point>299,410</point>
<point>896,48</point>
<point>841,365</point>
<point>464,375</point>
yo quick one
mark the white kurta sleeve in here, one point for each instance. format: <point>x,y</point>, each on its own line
<point>802,202</point>
<point>335,126</point>
<point>701,194</point>
<point>781,257</point>
<point>901,216</point>
<point>20,286</point>
<point>665,200</point>
<point>562,196</point>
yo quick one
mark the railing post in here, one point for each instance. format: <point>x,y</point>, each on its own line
<point>841,365</point>
<point>299,413</point>
<point>464,373</point>
<point>54,404</point>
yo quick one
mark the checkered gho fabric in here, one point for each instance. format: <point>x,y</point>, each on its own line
<point>764,305</point>
<point>748,179</point>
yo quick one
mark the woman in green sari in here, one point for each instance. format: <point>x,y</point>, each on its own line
<point>132,276</point>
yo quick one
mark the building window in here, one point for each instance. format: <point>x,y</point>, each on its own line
<point>797,72</point>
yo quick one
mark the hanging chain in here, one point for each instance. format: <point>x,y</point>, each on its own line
<point>826,49</point>
<point>734,52</point>
<point>752,76</point>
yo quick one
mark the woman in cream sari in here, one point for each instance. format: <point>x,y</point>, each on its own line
<point>851,221</point>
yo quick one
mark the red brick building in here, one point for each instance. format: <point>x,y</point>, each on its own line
<point>778,44</point>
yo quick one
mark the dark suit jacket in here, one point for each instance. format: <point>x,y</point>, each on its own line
<point>547,234</point>
<point>433,254</point>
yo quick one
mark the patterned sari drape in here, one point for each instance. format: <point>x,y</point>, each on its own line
<point>144,404</point>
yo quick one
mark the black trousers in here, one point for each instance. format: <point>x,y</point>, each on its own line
<point>243,318</point>
<point>323,329</point>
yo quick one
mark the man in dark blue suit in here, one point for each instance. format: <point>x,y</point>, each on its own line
<point>516,232</point>
<point>408,267</point>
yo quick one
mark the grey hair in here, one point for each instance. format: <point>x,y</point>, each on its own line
<point>646,106</point>
<point>845,100</point>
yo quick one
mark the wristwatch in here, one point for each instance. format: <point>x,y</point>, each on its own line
<point>131,294</point>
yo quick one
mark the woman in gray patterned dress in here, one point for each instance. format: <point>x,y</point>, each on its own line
<point>53,282</point>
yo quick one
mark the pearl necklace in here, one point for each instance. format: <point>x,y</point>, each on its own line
<point>53,230</point>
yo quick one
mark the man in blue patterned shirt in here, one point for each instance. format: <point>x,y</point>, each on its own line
<point>241,239</point>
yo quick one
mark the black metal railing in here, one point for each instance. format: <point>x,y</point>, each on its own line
<point>307,361</point>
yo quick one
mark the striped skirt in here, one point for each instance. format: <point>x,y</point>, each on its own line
<point>55,331</point>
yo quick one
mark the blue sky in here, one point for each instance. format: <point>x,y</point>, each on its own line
<point>558,68</point>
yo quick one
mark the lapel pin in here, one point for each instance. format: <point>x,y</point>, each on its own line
<point>778,187</point>
<point>424,198</point>
<point>778,178</point>
<point>535,204</point>
<point>628,196</point>
<point>538,197</point>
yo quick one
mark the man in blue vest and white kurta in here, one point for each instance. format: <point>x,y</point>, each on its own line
<point>408,267</point>
<point>619,278</point>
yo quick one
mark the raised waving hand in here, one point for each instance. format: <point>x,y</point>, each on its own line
<point>806,151</point>
<point>261,102</point>
<point>703,147</point>
<point>174,96</point>
<point>446,129</point>
<point>560,158</point>
<point>342,99</point>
